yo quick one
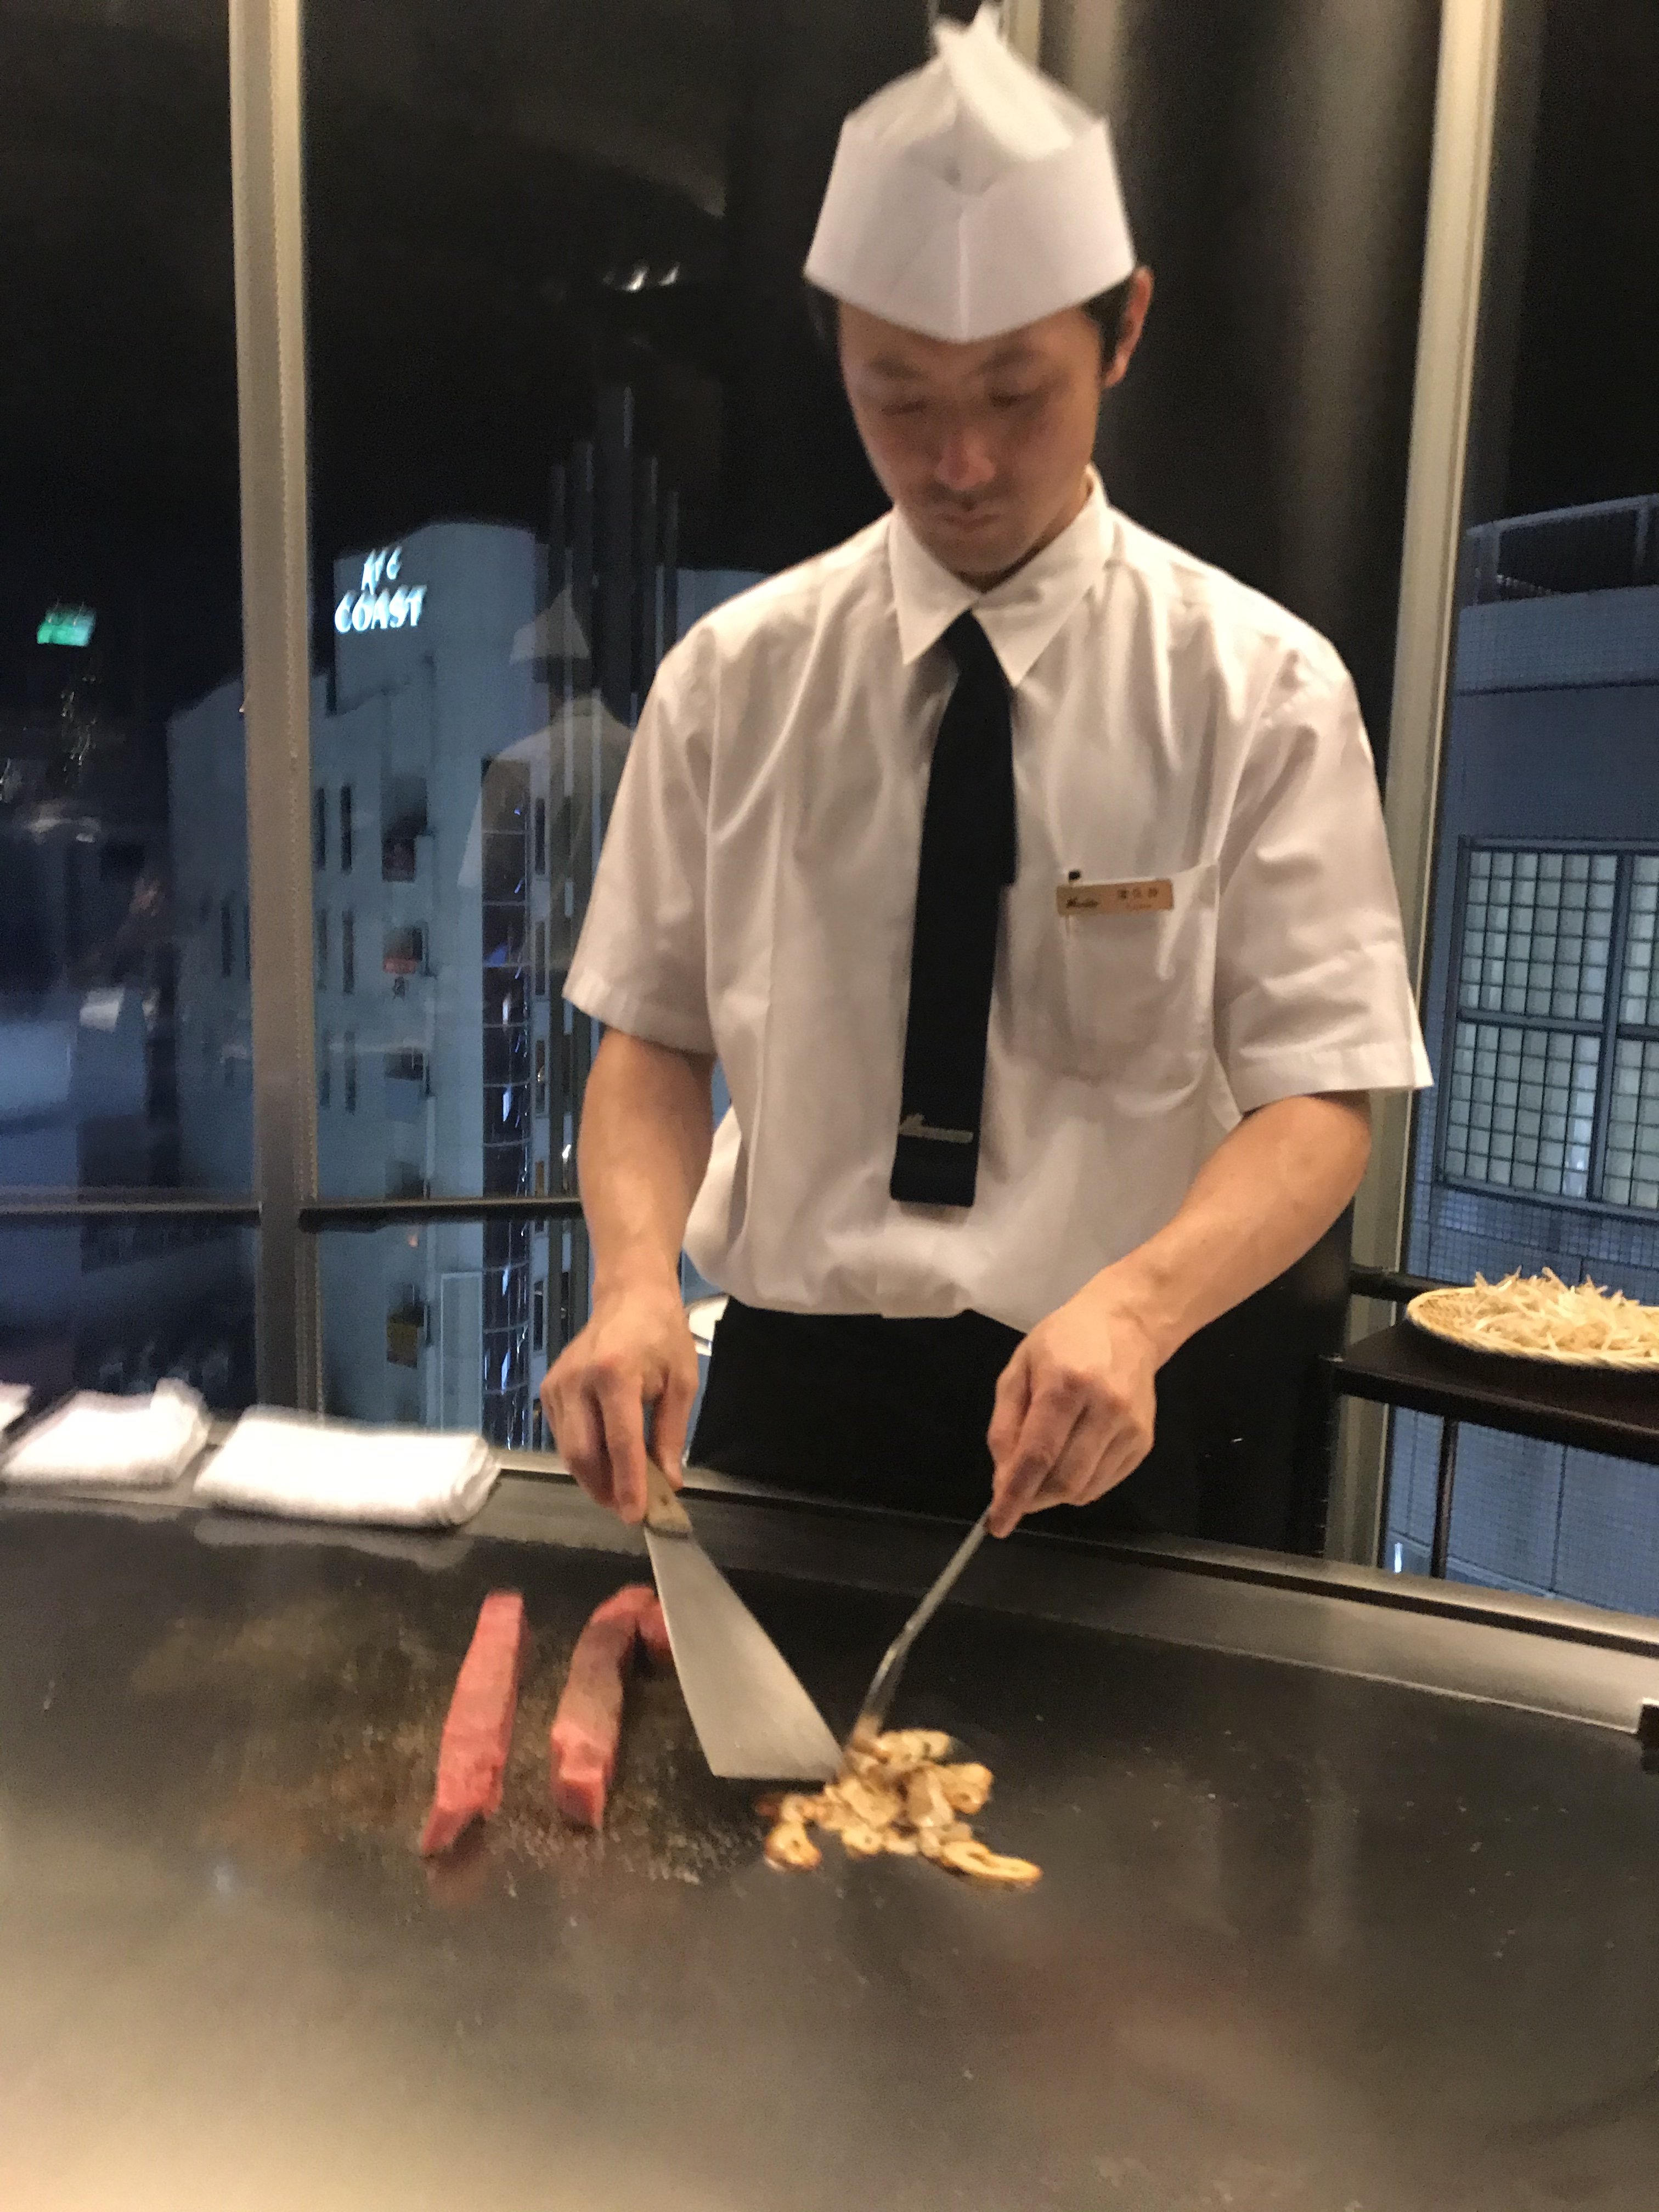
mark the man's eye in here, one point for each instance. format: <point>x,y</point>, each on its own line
<point>1006,399</point>
<point>893,408</point>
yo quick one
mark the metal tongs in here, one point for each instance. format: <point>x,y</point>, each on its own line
<point>878,1697</point>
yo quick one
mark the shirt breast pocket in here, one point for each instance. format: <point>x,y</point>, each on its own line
<point>1137,989</point>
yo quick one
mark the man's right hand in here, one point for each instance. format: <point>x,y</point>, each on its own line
<point>636,1351</point>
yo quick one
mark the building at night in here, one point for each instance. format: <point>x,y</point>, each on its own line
<point>1539,1146</point>
<point>464,755</point>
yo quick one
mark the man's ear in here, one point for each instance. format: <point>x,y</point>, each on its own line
<point>1129,330</point>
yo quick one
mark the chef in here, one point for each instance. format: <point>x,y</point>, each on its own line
<point>1025,876</point>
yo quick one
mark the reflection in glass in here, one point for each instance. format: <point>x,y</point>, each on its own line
<point>116,1305</point>
<point>122,989</point>
<point>1539,1146</point>
<point>574,318</point>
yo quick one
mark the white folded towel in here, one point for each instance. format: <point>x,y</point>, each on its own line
<point>128,1443</point>
<point>317,1470</point>
<point>14,1396</point>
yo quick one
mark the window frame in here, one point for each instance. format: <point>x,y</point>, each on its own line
<point>1610,1030</point>
<point>266,76</point>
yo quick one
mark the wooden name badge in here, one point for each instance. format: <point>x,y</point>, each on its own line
<point>1155,896</point>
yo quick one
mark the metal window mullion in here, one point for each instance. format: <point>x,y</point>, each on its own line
<point>267,197</point>
<point>1466,101</point>
<point>1612,999</point>
<point>1453,1015</point>
<point>1460,188</point>
<point>1547,1025</point>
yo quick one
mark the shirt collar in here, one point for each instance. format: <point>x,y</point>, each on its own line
<point>1021,614</point>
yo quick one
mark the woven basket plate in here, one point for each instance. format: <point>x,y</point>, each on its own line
<point>1445,1314</point>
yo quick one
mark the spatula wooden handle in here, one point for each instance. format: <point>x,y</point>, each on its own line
<point>663,1510</point>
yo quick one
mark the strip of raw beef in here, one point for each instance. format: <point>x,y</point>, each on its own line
<point>479,1731</point>
<point>588,1723</point>
<point>653,1634</point>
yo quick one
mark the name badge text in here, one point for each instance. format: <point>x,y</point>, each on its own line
<point>1155,896</point>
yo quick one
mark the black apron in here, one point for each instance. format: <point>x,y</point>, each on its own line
<point>888,1413</point>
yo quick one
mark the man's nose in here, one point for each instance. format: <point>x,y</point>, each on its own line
<point>965,462</point>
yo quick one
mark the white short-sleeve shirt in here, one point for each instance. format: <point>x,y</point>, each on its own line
<point>757,891</point>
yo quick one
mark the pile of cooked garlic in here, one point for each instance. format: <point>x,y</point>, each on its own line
<point>896,1793</point>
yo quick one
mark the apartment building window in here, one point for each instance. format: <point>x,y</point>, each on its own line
<point>320,930</point>
<point>403,952</point>
<point>345,828</point>
<point>348,950</point>
<point>538,1317</point>
<point>541,959</point>
<point>1554,1054</point>
<point>319,829</point>
<point>541,837</point>
<point>325,1067</point>
<point>227,939</point>
<point>402,823</point>
<point>541,1075</point>
<point>350,1071</point>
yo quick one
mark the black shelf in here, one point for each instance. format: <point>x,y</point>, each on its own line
<point>1593,1409</point>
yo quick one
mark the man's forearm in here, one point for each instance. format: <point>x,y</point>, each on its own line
<point>1267,1193</point>
<point>646,1129</point>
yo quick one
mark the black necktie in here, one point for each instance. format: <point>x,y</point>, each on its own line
<point>968,857</point>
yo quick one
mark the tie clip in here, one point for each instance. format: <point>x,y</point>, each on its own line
<point>916,1125</point>
<point>1155,895</point>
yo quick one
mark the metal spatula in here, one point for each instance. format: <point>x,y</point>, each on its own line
<point>873,1714</point>
<point>753,1719</point>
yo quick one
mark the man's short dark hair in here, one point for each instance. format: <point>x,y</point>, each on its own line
<point>1106,311</point>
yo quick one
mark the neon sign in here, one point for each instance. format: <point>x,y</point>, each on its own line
<point>66,626</point>
<point>372,607</point>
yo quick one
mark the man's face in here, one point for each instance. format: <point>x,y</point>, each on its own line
<point>983,447</point>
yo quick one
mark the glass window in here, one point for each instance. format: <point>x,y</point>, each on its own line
<point>405,950</point>
<point>348,950</point>
<point>116,1305</point>
<point>319,830</point>
<point>1539,1146</point>
<point>350,1071</point>
<point>123,999</point>
<point>325,1067</point>
<point>1561,1098</point>
<point>345,830</point>
<point>321,933</point>
<point>575,320</point>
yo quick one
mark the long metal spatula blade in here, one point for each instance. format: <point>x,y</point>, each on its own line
<point>753,1719</point>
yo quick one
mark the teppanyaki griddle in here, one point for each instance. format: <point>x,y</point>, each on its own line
<point>1303,1940</point>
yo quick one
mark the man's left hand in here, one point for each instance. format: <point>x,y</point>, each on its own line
<point>1074,1408</point>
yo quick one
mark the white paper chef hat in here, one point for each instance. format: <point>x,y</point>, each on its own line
<point>971,195</point>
